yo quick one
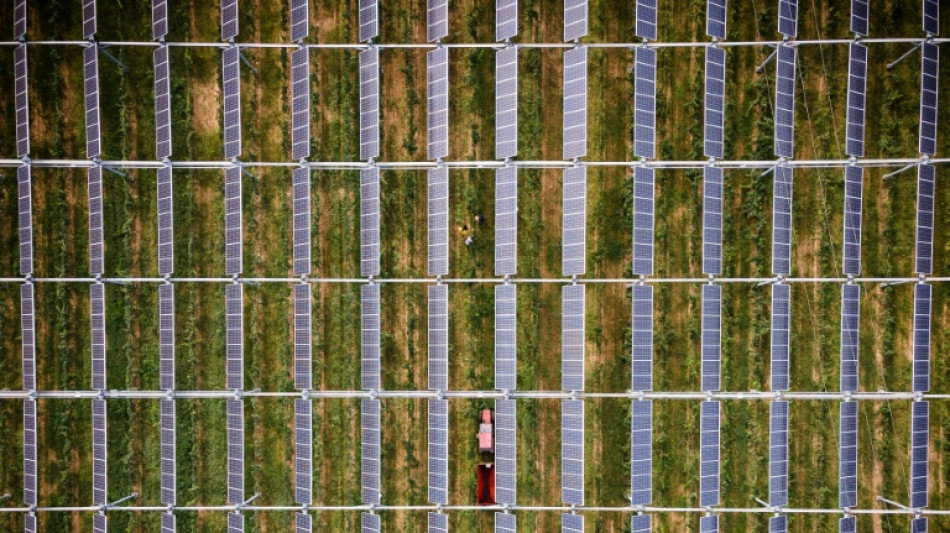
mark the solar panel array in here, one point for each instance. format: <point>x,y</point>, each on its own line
<point>438,337</point>
<point>166,336</point>
<point>30,464</point>
<point>90,55</point>
<point>574,212</point>
<point>716,18</point>
<point>506,102</point>
<point>572,523</point>
<point>646,19</point>
<point>506,221</point>
<point>300,178</point>
<point>235,430</point>
<point>88,19</point>
<point>19,19</point>
<point>853,199</point>
<point>28,335</point>
<point>370,457</point>
<point>235,522</point>
<point>303,523</point>
<point>709,454</point>
<point>929,73</point>
<point>369,19</point>
<point>715,102</point>
<point>163,107</point>
<point>94,195</point>
<point>931,20</point>
<point>919,457</point>
<point>299,18</point>
<point>99,523</point>
<point>506,337</point>
<point>168,523</point>
<point>642,338</point>
<point>643,211</point>
<point>712,220</point>
<point>918,525</point>
<point>575,19</point>
<point>506,19</point>
<point>572,452</point>
<point>850,323</point>
<point>29,523</point>
<point>369,300</point>
<point>575,103</point>
<point>925,219</point>
<point>229,19</point>
<point>21,91</point>
<point>644,102</point>
<point>641,452</point>
<point>231,76</point>
<point>782,220</point>
<point>369,221</point>
<point>437,19</point>
<point>234,331</point>
<point>300,102</point>
<point>781,324</point>
<point>506,450</point>
<point>786,59</point>
<point>167,451</point>
<point>233,263</point>
<point>369,103</point>
<point>778,524</point>
<point>506,523</point>
<point>572,337</point>
<point>778,454</point>
<point>437,89</point>
<point>159,19</point>
<point>788,17</point>
<point>303,451</point>
<point>711,337</point>
<point>921,338</point>
<point>438,451</point>
<point>438,234</point>
<point>369,523</point>
<point>857,87</point>
<point>847,524</point>
<point>302,337</point>
<point>859,16</point>
<point>166,221</point>
<point>438,523</point>
<point>97,305</point>
<point>99,468</point>
<point>848,454</point>
<point>25,217</point>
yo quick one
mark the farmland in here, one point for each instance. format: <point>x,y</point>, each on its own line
<point>61,250</point>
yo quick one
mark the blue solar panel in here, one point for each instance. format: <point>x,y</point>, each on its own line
<point>788,17</point>
<point>785,101</point>
<point>781,322</point>
<point>644,103</point>
<point>847,524</point>
<point>850,324</point>
<point>853,199</point>
<point>715,102</point>
<point>574,226</point>
<point>921,338</point>
<point>643,210</point>
<point>506,523</point>
<point>925,219</point>
<point>572,337</point>
<point>857,86</point>
<point>929,74</point>
<point>641,524</point>
<point>438,451</point>
<point>642,338</point>
<point>778,524</point>
<point>712,220</point>
<point>575,19</point>
<point>709,454</point>
<point>711,337</point>
<point>572,452</point>
<point>859,17</point>
<point>641,452</point>
<point>778,454</point>
<point>506,336</point>
<point>782,221</point>
<point>370,456</point>
<point>506,452</point>
<point>931,21</point>
<point>716,18</point>
<point>919,454</point>
<point>572,523</point>
<point>646,19</point>
<point>370,336</point>
<point>438,337</point>
<point>848,454</point>
<point>709,524</point>
<point>918,525</point>
<point>575,103</point>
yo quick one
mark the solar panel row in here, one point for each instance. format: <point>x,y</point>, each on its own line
<point>572,337</point>
<point>848,454</point>
<point>369,103</point>
<point>709,454</point>
<point>646,19</point>
<point>573,252</point>
<point>166,336</point>
<point>438,337</point>
<point>644,102</point>
<point>94,194</point>
<point>850,328</point>
<point>921,339</point>
<point>788,17</point>
<point>857,86</point>
<point>229,19</point>
<point>712,220</point>
<point>369,26</point>
<point>711,337</point>
<point>88,19</point>
<point>572,452</point>
<point>918,525</point>
<point>781,323</point>
<point>166,221</point>
<point>99,468</point>
<point>643,211</point>
<point>163,108</point>
<point>303,523</point>
<point>506,523</point>
<point>437,90</point>
<point>234,330</point>
<point>506,19</point>
<point>859,17</point>
<point>168,523</point>
<point>575,19</point>
<point>231,78</point>
<point>931,22</point>
<point>99,523</point>
<point>847,524</point>
<point>299,17</point>
<point>19,19</point>
<point>90,56</point>
<point>22,100</point>
<point>369,523</point>
<point>438,451</point>
<point>506,221</point>
<point>641,452</point>
<point>303,451</point>
<point>235,428</point>
<point>159,19</point>
<point>778,524</point>
<point>572,523</point>
<point>506,102</point>
<point>642,338</point>
<point>370,458</point>
<point>300,178</point>
<point>97,305</point>
<point>233,263</point>
<point>235,522</point>
<point>782,220</point>
<point>506,337</point>
<point>716,18</point>
<point>302,337</point>
<point>715,102</point>
<point>438,234</point>
<point>437,19</point>
<point>25,217</point>
<point>30,465</point>
<point>369,300</point>
<point>778,454</point>
<point>506,450</point>
<point>785,100</point>
<point>853,199</point>
<point>929,77</point>
<point>28,335</point>
<point>438,523</point>
<point>925,219</point>
<point>167,455</point>
<point>919,456</point>
<point>641,523</point>
<point>575,103</point>
<point>300,89</point>
<point>369,221</point>
<point>29,523</point>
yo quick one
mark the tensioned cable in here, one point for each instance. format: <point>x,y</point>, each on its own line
<point>498,281</point>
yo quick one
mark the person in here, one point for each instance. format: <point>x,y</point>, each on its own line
<point>480,218</point>
<point>469,241</point>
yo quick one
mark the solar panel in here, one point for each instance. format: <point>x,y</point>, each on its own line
<point>369,221</point>
<point>643,208</point>
<point>166,336</point>
<point>234,308</point>
<point>506,522</point>
<point>785,101</point>
<point>303,523</point>
<point>29,453</point>
<point>711,337</point>
<point>788,17</point>
<point>168,523</point>
<point>848,454</point>
<point>437,89</point>
<point>438,523</point>
<point>22,100</point>
<point>853,197</point>
<point>506,102</point>
<point>506,337</point>
<point>778,454</point>
<point>641,452</point>
<point>782,220</point>
<point>506,452</point>
<point>709,454</point>
<point>644,102</point>
<point>572,337</point>
<point>572,452</point>
<point>646,19</point>
<point>918,525</point>
<point>19,19</point>
<point>369,523</point>
<point>716,18</point>
<point>99,469</point>
<point>303,451</point>
<point>575,19</point>
<point>438,186</point>
<point>369,299</point>
<point>439,451</point>
<point>438,337</point>
<point>847,524</point>
<point>641,337</point>
<point>506,221</point>
<point>921,339</point>
<point>301,198</point>
<point>709,524</point>
<point>166,221</point>
<point>99,523</point>
<point>235,523</point>
<point>850,327</point>
<point>299,18</point>
<point>781,320</point>
<point>857,83</point>
<point>167,445</point>
<point>575,103</point>
<point>572,523</point>
<point>90,57</point>
<point>712,220</point>
<point>931,17</point>
<point>229,19</point>
<point>25,217</point>
<point>159,19</point>
<point>233,232</point>
<point>94,194</point>
<point>302,337</point>
<point>97,305</point>
<point>369,28</point>
<point>163,109</point>
<point>929,76</point>
<point>925,219</point>
<point>369,103</point>
<point>370,460</point>
<point>231,76</point>
<point>88,19</point>
<point>235,429</point>
<point>506,19</point>
<point>778,524</point>
<point>437,19</point>
<point>919,457</point>
<point>300,87</point>
<point>573,252</point>
<point>715,102</point>
<point>28,335</point>
<point>859,17</point>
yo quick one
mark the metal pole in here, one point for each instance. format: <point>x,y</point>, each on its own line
<point>906,54</point>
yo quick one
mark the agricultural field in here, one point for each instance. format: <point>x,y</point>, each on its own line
<point>61,250</point>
